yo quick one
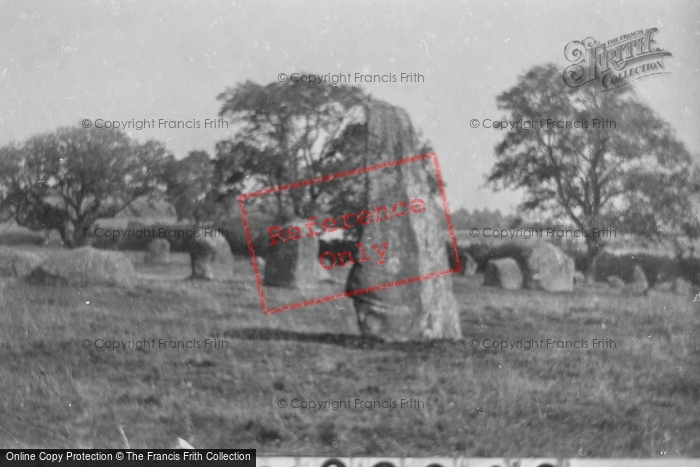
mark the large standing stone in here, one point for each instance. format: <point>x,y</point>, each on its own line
<point>261,264</point>
<point>579,278</point>
<point>18,263</point>
<point>504,273</point>
<point>550,269</point>
<point>657,268</point>
<point>469,265</point>
<point>639,284</point>
<point>543,265</point>
<point>666,286</point>
<point>210,257</point>
<point>615,282</point>
<point>415,242</point>
<point>683,287</point>
<point>158,252</point>
<point>451,260</point>
<point>85,266</point>
<point>294,263</point>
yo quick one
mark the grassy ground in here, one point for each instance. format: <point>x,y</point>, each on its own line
<point>639,399</point>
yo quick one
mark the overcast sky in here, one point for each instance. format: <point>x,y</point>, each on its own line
<point>61,62</point>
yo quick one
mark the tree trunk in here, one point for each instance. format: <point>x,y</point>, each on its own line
<point>80,235</point>
<point>593,247</point>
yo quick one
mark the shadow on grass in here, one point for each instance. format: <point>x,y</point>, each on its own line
<point>344,340</point>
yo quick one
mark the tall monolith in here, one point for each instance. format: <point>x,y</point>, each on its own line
<point>210,256</point>
<point>399,311</point>
<point>294,264</point>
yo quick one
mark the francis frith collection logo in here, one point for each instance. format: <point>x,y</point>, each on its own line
<point>614,63</point>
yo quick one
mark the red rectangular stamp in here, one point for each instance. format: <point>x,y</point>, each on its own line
<point>289,239</point>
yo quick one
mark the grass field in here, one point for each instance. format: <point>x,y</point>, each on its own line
<point>641,398</point>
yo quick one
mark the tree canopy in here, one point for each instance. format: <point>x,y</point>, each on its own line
<point>284,133</point>
<point>632,176</point>
<point>68,179</point>
<point>189,185</point>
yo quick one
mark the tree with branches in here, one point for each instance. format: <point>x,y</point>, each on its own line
<point>633,176</point>
<point>188,186</point>
<point>68,179</point>
<point>284,133</point>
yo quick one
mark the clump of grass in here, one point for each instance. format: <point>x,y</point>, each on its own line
<point>327,433</point>
<point>265,432</point>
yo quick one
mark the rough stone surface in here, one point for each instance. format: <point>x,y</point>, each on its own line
<point>638,274</point>
<point>210,257</point>
<point>504,273</point>
<point>18,263</point>
<point>639,284</point>
<point>615,282</point>
<point>261,264</point>
<point>451,260</point>
<point>158,252</point>
<point>469,265</point>
<point>550,268</point>
<point>666,286</point>
<point>657,268</point>
<point>683,287</point>
<point>543,265</point>
<point>294,263</point>
<point>85,266</point>
<point>579,278</point>
<point>3,285</point>
<point>420,310</point>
